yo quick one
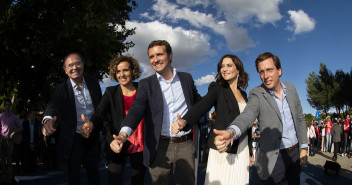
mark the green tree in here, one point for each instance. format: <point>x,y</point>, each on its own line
<point>339,91</point>
<point>309,117</point>
<point>320,89</point>
<point>35,35</point>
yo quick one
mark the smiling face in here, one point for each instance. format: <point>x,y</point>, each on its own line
<point>124,73</point>
<point>160,60</point>
<point>229,70</point>
<point>269,74</point>
<point>74,67</point>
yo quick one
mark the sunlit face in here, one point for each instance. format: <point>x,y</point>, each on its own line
<point>74,67</point>
<point>269,74</point>
<point>124,73</point>
<point>229,70</point>
<point>159,59</point>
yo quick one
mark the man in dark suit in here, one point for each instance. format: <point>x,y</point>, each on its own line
<point>161,96</point>
<point>77,96</point>
<point>30,135</point>
<point>283,135</point>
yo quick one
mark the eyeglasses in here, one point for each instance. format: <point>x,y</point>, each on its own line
<point>77,64</point>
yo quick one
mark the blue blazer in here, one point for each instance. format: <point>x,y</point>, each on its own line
<point>149,100</point>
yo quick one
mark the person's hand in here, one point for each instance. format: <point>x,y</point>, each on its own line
<point>303,157</point>
<point>178,125</point>
<point>87,127</point>
<point>251,160</point>
<point>222,139</point>
<point>117,144</point>
<point>48,126</point>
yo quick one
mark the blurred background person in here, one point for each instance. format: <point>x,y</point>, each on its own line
<point>312,138</point>
<point>336,138</point>
<point>328,127</point>
<point>30,135</point>
<point>10,125</point>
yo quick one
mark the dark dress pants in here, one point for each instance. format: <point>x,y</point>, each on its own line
<point>336,148</point>
<point>87,154</point>
<point>287,169</point>
<point>311,146</point>
<point>117,165</point>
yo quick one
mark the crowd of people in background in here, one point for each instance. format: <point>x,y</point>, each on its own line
<point>332,135</point>
<point>23,144</point>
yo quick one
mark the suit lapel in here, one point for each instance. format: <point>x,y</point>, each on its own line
<point>271,101</point>
<point>156,85</point>
<point>119,98</point>
<point>291,102</point>
<point>185,89</point>
<point>230,97</point>
<point>71,95</point>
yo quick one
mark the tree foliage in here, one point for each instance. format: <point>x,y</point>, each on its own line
<point>326,90</point>
<point>35,35</point>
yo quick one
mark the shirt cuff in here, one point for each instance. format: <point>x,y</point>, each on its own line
<point>304,146</point>
<point>128,131</point>
<point>46,117</point>
<point>237,130</point>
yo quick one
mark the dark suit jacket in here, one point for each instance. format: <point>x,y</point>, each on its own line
<point>112,105</point>
<point>26,134</point>
<point>149,100</point>
<point>63,105</point>
<point>262,105</point>
<point>227,110</point>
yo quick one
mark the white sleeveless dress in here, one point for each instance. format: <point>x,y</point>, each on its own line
<point>227,169</point>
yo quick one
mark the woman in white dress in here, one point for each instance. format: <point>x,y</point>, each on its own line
<point>229,98</point>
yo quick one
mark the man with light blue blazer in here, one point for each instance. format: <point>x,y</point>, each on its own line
<point>283,141</point>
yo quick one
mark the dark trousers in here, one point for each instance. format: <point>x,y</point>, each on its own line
<point>311,146</point>
<point>88,155</point>
<point>336,148</point>
<point>29,159</point>
<point>178,158</point>
<point>287,169</point>
<point>117,165</point>
<point>6,158</point>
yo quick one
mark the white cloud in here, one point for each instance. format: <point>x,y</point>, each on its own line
<point>301,21</point>
<point>205,79</point>
<point>189,46</point>
<point>241,11</point>
<point>106,82</point>
<point>237,37</point>
<point>190,3</point>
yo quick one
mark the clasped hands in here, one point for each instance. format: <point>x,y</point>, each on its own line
<point>48,126</point>
<point>222,139</point>
<point>117,144</point>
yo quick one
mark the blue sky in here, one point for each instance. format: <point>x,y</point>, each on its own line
<point>302,33</point>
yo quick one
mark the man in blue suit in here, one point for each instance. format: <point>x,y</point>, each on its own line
<point>283,134</point>
<point>160,97</point>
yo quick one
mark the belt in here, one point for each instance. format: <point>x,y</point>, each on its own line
<point>290,149</point>
<point>177,139</point>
